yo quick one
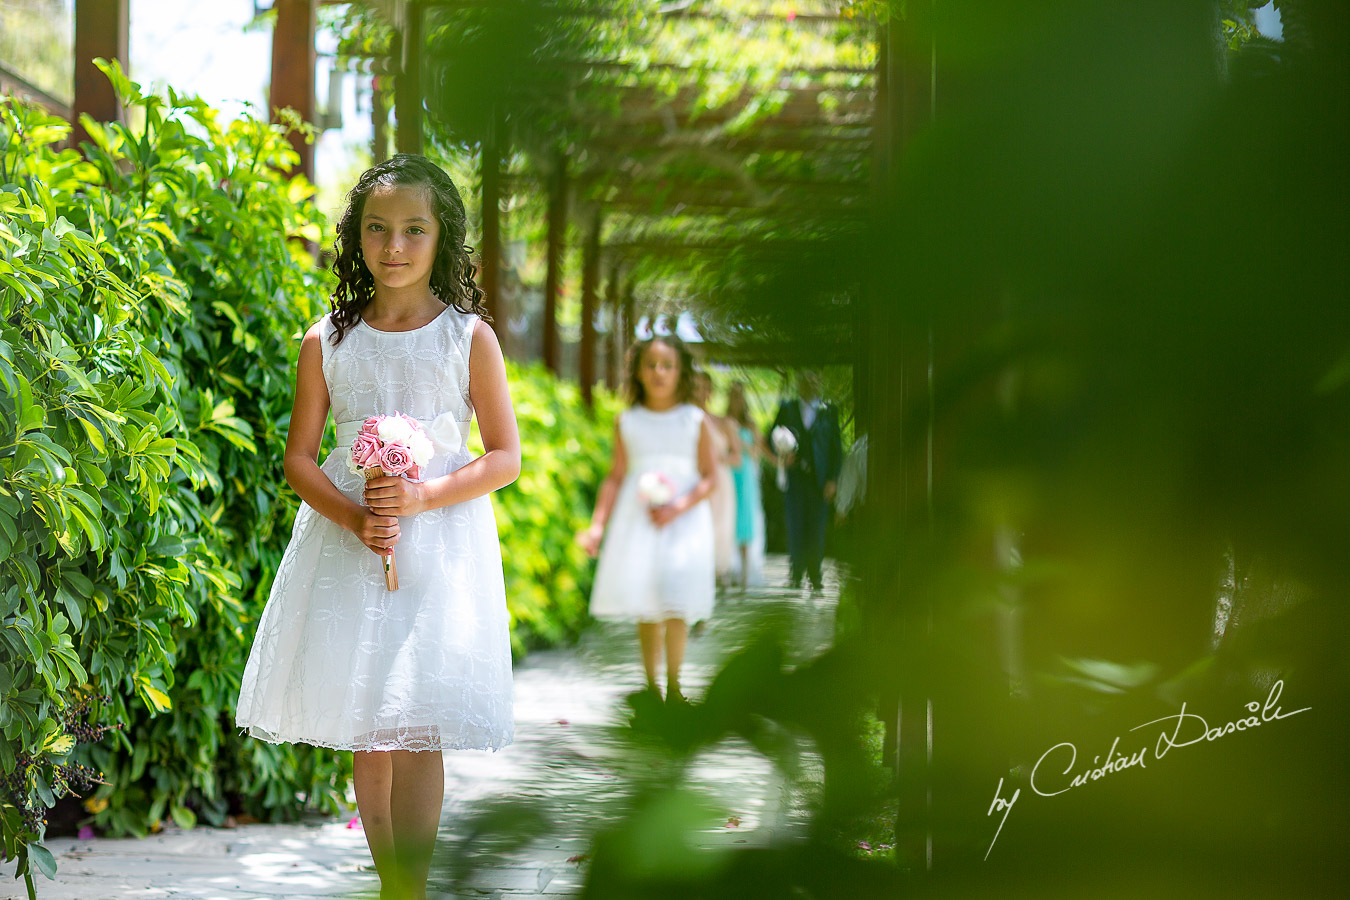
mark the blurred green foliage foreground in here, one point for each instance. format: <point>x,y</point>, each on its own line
<point>1108,501</point>
<point>150,307</point>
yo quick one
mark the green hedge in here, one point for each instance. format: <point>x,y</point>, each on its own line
<point>149,301</point>
<point>565,455</point>
<point>150,308</point>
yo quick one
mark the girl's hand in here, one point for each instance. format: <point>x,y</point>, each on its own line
<point>589,539</point>
<point>664,515</point>
<point>379,533</point>
<point>395,496</point>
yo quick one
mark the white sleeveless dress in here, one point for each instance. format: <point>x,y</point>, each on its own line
<point>646,573</point>
<point>340,661</point>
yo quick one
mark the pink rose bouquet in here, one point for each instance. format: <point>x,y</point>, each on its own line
<point>394,445</point>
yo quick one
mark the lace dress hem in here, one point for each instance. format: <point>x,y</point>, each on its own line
<point>394,743</point>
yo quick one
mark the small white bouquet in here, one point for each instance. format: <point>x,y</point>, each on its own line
<point>784,442</point>
<point>655,489</point>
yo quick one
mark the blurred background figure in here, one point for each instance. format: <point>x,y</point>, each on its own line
<point>852,479</point>
<point>812,476</point>
<point>656,562</point>
<point>726,454</point>
<point>749,503</point>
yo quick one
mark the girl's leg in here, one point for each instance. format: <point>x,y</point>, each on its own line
<point>373,775</point>
<point>677,634</point>
<point>745,568</point>
<point>649,638</point>
<point>415,811</point>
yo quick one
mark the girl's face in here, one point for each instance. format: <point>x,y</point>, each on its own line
<point>399,235</point>
<point>659,372</point>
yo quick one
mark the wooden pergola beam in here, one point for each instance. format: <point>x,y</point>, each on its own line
<point>14,85</point>
<point>615,65</point>
<point>625,147</point>
<point>694,194</point>
<point>582,11</point>
<point>644,105</point>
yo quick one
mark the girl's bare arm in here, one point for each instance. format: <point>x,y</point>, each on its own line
<point>609,492</point>
<point>301,461</point>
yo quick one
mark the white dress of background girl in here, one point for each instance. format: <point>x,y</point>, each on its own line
<point>650,573</point>
<point>656,552</point>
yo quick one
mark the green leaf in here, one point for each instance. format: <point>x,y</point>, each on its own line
<point>31,415</point>
<point>185,818</point>
<point>95,436</point>
<point>43,859</point>
<point>44,790</point>
<point>155,698</point>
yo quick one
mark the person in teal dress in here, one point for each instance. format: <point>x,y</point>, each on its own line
<point>749,507</point>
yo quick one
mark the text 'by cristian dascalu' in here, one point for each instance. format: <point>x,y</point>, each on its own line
<point>1050,776</point>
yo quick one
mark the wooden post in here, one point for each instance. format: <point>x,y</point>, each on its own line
<point>612,303</point>
<point>489,279</point>
<point>101,30</point>
<point>408,84</point>
<point>590,275</point>
<point>557,229</point>
<point>293,58</point>
<point>629,302</point>
<point>899,368</point>
<point>379,120</point>
<point>629,312</point>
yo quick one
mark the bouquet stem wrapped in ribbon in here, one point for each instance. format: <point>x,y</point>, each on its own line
<point>397,446</point>
<point>390,564</point>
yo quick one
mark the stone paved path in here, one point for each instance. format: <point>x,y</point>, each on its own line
<point>571,759</point>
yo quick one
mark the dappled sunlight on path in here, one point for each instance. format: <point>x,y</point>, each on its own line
<point>573,767</point>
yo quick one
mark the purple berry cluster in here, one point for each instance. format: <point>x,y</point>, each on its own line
<point>66,778</point>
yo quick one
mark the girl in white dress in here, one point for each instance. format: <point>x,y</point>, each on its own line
<point>656,560</point>
<point>339,660</point>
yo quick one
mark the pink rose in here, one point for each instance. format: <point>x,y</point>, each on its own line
<point>396,459</point>
<point>366,450</point>
<point>414,473</point>
<point>369,425</point>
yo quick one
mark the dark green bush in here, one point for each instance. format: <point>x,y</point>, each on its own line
<point>150,308</point>
<point>149,302</point>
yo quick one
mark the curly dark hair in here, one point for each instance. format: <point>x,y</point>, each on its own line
<point>683,390</point>
<point>451,274</point>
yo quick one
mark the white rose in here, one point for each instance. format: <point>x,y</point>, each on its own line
<point>394,429</point>
<point>421,448</point>
<point>784,442</point>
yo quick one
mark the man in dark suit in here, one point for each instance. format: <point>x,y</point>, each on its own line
<point>812,472</point>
